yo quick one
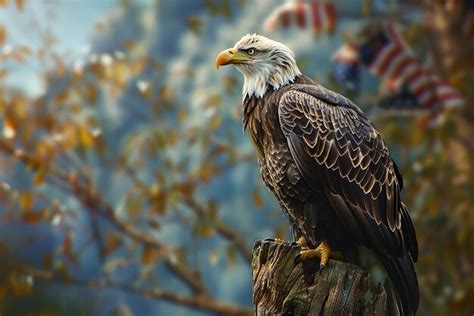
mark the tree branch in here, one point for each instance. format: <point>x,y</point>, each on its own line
<point>221,228</point>
<point>93,202</point>
<point>200,302</point>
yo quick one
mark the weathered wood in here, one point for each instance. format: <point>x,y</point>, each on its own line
<point>283,287</point>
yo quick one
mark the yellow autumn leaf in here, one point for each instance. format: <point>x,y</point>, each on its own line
<point>149,255</point>
<point>20,4</point>
<point>207,231</point>
<point>9,126</point>
<point>121,74</point>
<point>194,24</point>
<point>3,35</point>
<point>26,201</point>
<point>213,100</point>
<point>215,122</point>
<point>166,92</point>
<point>172,137</point>
<point>112,242</point>
<point>85,137</point>
<point>39,177</point>
<point>31,217</point>
<point>91,92</point>
<point>257,199</point>
<point>158,204</point>
<point>185,188</point>
<point>205,171</point>
<point>182,115</point>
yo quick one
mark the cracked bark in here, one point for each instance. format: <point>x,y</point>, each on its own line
<point>282,287</point>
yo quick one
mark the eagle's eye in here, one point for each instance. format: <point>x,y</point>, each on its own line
<point>251,51</point>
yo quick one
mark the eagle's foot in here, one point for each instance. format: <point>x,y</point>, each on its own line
<point>300,242</point>
<point>323,251</point>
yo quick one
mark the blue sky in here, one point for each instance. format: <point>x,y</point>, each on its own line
<point>73,24</point>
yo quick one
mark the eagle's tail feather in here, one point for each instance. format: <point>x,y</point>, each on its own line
<point>401,272</point>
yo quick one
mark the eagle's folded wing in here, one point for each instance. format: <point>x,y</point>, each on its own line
<point>338,151</point>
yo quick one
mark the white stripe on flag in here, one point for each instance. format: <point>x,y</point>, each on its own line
<point>453,101</point>
<point>426,96</point>
<point>409,70</point>
<point>398,60</point>
<point>450,97</point>
<point>444,88</point>
<point>425,78</point>
<point>380,59</point>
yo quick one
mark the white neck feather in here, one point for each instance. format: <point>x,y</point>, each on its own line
<point>263,75</point>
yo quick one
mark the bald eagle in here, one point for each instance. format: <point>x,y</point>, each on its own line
<point>326,164</point>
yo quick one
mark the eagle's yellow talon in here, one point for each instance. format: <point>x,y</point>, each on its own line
<point>323,251</point>
<point>302,242</point>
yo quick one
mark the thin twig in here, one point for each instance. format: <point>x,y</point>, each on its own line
<point>95,204</point>
<point>200,302</point>
<point>221,228</point>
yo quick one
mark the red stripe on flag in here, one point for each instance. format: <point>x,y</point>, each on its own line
<point>437,93</point>
<point>380,53</point>
<point>285,18</point>
<point>389,59</point>
<point>415,76</point>
<point>427,78</point>
<point>425,87</point>
<point>394,36</point>
<point>330,10</point>
<point>451,96</point>
<point>300,11</point>
<point>316,16</point>
<point>401,67</point>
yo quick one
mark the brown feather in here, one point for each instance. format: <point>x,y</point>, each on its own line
<point>332,174</point>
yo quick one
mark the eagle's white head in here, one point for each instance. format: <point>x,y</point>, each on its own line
<point>263,62</point>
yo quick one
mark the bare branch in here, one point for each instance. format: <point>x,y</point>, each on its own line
<point>96,205</point>
<point>221,228</point>
<point>200,302</point>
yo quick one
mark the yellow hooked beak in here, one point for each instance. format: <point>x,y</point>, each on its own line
<point>231,56</point>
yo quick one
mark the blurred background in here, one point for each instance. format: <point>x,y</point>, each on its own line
<point>127,186</point>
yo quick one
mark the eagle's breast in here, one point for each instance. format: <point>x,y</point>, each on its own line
<point>277,167</point>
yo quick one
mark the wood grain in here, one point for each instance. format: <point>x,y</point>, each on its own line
<point>283,287</point>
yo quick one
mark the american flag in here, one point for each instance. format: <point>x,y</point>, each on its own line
<point>402,100</point>
<point>345,67</point>
<point>386,56</point>
<point>320,15</point>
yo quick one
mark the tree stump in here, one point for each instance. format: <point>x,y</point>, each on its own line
<point>283,287</point>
